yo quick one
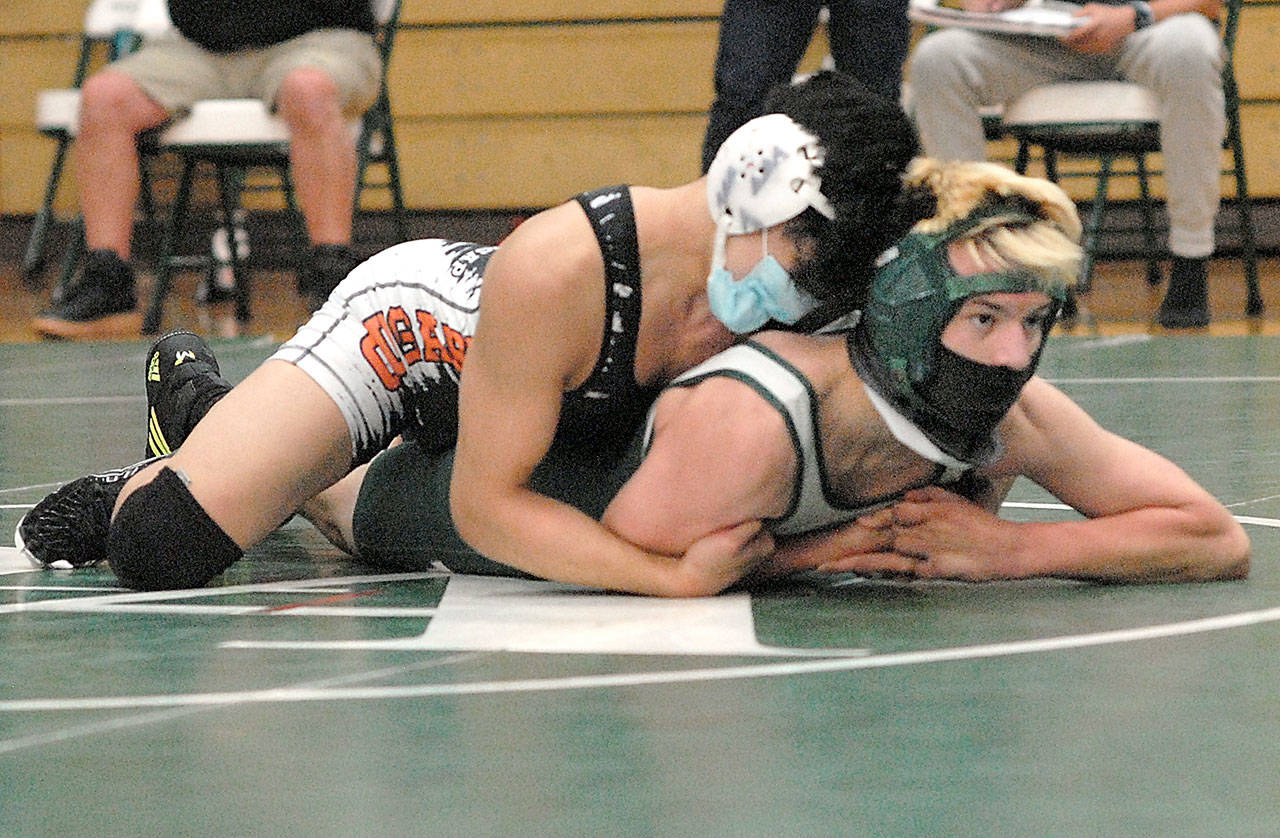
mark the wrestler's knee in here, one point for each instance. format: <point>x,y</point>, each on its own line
<point>162,539</point>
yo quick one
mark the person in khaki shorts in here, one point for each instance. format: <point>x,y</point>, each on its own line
<point>313,62</point>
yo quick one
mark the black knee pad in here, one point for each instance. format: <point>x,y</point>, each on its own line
<point>162,538</point>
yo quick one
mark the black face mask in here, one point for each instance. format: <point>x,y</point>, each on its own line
<point>959,403</point>
<point>967,400</point>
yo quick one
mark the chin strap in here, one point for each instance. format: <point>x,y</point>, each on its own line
<point>906,432</point>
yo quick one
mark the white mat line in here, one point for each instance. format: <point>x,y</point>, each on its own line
<point>56,401</point>
<point>381,612</point>
<point>286,586</point>
<point>1208,379</point>
<point>154,717</point>
<point>634,679</point>
<point>12,489</point>
<point>1249,520</point>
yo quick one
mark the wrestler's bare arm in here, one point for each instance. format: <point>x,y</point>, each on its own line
<point>1146,519</point>
<point>720,456</point>
<point>538,336</point>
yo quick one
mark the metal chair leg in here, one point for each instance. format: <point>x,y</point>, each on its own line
<point>1094,224</point>
<point>1051,165</point>
<point>229,189</point>
<point>393,179</point>
<point>168,249</point>
<point>1022,158</point>
<point>1149,250</point>
<point>1254,305</point>
<point>33,259</point>
<point>76,249</point>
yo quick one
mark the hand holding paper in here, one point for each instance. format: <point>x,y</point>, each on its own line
<point>1012,17</point>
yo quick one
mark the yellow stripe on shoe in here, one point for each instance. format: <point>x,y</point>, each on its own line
<point>157,445</point>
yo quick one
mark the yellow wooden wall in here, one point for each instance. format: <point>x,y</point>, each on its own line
<point>501,104</point>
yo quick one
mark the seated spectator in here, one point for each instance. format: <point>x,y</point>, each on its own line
<point>1169,46</point>
<point>313,62</point>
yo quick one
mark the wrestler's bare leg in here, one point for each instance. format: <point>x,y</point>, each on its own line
<point>332,512</point>
<point>273,442</point>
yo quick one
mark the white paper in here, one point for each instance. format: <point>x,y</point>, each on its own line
<point>1044,18</point>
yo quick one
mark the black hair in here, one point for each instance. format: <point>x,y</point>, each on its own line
<point>868,142</point>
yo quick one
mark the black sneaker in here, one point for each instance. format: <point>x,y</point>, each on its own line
<point>100,303</point>
<point>183,382</point>
<point>212,290</point>
<point>219,282</point>
<point>68,529</point>
<point>326,266</point>
<point>1186,302</point>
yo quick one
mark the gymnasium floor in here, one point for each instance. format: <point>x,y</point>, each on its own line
<point>304,694</point>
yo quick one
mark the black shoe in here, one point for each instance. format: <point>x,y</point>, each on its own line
<point>1186,302</point>
<point>211,291</point>
<point>69,527</point>
<point>101,302</point>
<point>327,265</point>
<point>183,382</point>
<point>219,282</point>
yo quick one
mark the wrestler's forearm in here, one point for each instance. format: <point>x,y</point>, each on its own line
<point>1160,544</point>
<point>553,541</point>
<point>864,545</point>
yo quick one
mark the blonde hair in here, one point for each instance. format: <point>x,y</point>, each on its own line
<point>1047,246</point>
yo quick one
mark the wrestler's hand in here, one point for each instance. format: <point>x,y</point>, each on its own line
<point>716,561</point>
<point>1103,31</point>
<point>949,537</point>
<point>864,546</point>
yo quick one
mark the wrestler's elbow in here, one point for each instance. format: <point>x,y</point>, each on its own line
<point>1226,550</point>
<point>1234,554</point>
<point>483,511</point>
<point>467,508</point>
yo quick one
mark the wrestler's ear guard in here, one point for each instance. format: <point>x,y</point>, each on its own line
<point>765,173</point>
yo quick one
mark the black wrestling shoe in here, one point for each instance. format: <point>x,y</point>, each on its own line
<point>68,529</point>
<point>183,382</point>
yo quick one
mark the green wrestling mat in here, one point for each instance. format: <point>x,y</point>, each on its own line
<point>306,694</point>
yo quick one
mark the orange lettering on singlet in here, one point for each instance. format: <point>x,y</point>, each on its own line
<point>432,351</point>
<point>402,329</point>
<point>455,347</point>
<point>376,347</point>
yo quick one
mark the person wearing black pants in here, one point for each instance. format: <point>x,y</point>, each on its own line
<point>762,41</point>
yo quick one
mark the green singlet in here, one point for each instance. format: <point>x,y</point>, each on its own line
<point>402,518</point>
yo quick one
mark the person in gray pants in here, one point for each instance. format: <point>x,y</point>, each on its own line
<point>1169,46</point>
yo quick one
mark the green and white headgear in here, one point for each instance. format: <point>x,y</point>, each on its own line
<point>897,345</point>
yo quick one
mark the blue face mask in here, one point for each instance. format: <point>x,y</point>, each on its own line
<point>765,293</point>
